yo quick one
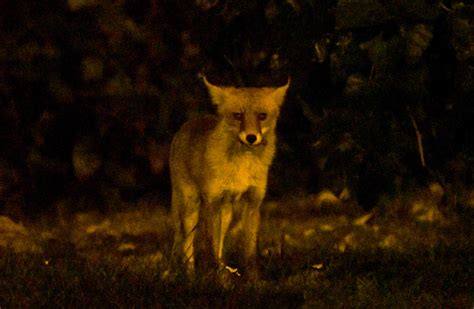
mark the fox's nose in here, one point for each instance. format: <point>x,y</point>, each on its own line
<point>251,138</point>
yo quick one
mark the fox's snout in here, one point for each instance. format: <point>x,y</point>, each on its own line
<point>250,130</point>
<point>250,139</point>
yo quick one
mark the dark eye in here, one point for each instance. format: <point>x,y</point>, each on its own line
<point>262,116</point>
<point>238,116</point>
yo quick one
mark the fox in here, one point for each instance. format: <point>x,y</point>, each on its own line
<point>219,165</point>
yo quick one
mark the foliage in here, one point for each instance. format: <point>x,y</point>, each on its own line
<point>378,116</point>
<point>329,260</point>
<point>92,91</point>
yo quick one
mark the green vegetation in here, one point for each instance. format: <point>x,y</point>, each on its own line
<point>373,182</point>
<point>93,91</point>
<point>331,260</point>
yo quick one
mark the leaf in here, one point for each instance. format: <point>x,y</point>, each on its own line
<point>317,266</point>
<point>85,158</point>
<point>233,270</point>
<point>363,219</point>
<point>418,39</point>
<point>206,5</point>
<point>355,84</point>
<point>360,13</point>
<point>75,5</point>
<point>92,68</point>
<point>376,49</point>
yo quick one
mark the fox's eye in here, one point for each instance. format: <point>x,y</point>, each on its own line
<point>262,116</point>
<point>238,116</point>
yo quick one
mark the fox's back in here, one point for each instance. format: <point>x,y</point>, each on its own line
<point>189,145</point>
<point>191,133</point>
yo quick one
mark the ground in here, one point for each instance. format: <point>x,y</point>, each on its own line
<point>313,254</point>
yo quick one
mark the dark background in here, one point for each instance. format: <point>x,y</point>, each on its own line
<point>91,93</point>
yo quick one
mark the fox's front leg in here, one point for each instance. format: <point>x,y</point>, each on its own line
<point>219,217</point>
<point>251,202</point>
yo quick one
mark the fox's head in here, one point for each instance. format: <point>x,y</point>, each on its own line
<point>252,112</point>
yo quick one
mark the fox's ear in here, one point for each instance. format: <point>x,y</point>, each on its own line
<point>217,93</point>
<point>279,93</point>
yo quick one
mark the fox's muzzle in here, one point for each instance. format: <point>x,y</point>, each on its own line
<point>251,138</point>
<point>250,130</point>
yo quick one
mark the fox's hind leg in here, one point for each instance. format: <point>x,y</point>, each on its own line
<point>185,208</point>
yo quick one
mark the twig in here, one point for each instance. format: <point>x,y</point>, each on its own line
<point>419,138</point>
<point>372,72</point>
<point>236,72</point>
<point>444,7</point>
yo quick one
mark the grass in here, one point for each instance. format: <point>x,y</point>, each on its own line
<point>323,261</point>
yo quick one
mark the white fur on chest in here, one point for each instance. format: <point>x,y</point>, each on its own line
<point>238,174</point>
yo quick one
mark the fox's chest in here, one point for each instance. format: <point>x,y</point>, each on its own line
<point>238,175</point>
